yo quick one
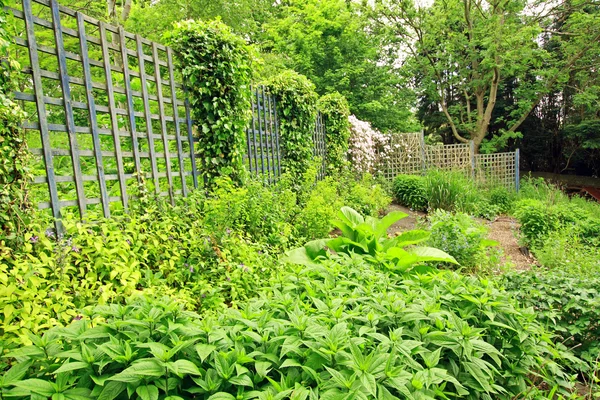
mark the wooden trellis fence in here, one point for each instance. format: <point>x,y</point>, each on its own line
<point>407,153</point>
<point>320,149</point>
<point>498,169</point>
<point>108,111</point>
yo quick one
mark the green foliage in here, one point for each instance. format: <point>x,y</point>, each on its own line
<point>567,303</point>
<point>264,213</point>
<point>331,42</point>
<point>334,108</point>
<point>461,237</point>
<point>502,198</point>
<point>15,206</point>
<point>568,250</point>
<point>337,330</point>
<point>329,195</point>
<point>368,237</point>
<point>539,218</point>
<point>296,110</point>
<point>210,251</point>
<point>366,195</point>
<point>159,250</point>
<point>409,190</point>
<point>215,64</point>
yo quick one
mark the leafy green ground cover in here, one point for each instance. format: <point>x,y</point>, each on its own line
<point>563,234</point>
<point>196,301</point>
<point>343,329</point>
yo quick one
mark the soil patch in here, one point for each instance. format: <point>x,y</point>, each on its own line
<point>504,230</point>
<point>405,224</point>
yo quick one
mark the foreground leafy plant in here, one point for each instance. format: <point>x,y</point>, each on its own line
<point>343,329</point>
<point>368,237</point>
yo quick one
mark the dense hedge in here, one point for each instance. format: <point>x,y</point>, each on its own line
<point>334,108</point>
<point>14,173</point>
<point>296,110</point>
<point>216,67</point>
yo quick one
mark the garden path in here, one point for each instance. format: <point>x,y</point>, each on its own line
<point>503,229</point>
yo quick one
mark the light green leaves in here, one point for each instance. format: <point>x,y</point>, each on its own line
<point>368,237</point>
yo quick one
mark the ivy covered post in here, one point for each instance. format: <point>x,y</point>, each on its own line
<point>334,108</point>
<point>296,111</point>
<point>216,68</point>
<point>15,206</point>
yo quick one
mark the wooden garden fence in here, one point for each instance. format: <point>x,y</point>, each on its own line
<point>108,111</point>
<point>407,153</point>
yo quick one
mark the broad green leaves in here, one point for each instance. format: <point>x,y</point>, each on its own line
<point>368,237</point>
<point>341,329</point>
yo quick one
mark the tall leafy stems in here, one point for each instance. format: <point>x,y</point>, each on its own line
<point>216,66</point>
<point>15,207</point>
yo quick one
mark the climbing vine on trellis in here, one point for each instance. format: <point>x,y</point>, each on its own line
<point>15,207</point>
<point>296,110</point>
<point>216,67</point>
<point>334,108</point>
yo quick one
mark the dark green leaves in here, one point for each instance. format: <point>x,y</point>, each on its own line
<point>215,64</point>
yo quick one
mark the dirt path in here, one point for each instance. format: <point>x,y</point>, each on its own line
<point>503,229</point>
<point>407,223</point>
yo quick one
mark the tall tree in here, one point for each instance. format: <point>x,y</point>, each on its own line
<point>463,52</point>
<point>329,41</point>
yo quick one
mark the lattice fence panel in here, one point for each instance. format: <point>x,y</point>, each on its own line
<point>319,144</point>
<point>263,154</point>
<point>404,155</point>
<point>498,169</point>
<point>107,111</point>
<point>449,157</point>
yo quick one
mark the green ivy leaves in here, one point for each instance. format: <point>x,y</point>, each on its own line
<point>334,108</point>
<point>15,206</point>
<point>297,110</point>
<point>216,66</point>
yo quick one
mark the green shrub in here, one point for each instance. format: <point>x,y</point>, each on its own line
<point>296,111</point>
<point>540,189</point>
<point>502,198</point>
<point>262,212</point>
<point>346,330</point>
<point>566,250</point>
<point>460,236</point>
<point>540,218</point>
<point>537,219</point>
<point>322,202</point>
<point>215,64</point>
<point>366,195</point>
<point>567,303</point>
<point>410,191</point>
<point>163,249</point>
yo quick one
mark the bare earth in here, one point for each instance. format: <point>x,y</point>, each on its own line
<point>503,229</point>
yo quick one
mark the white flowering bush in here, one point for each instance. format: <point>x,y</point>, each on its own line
<point>367,146</point>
